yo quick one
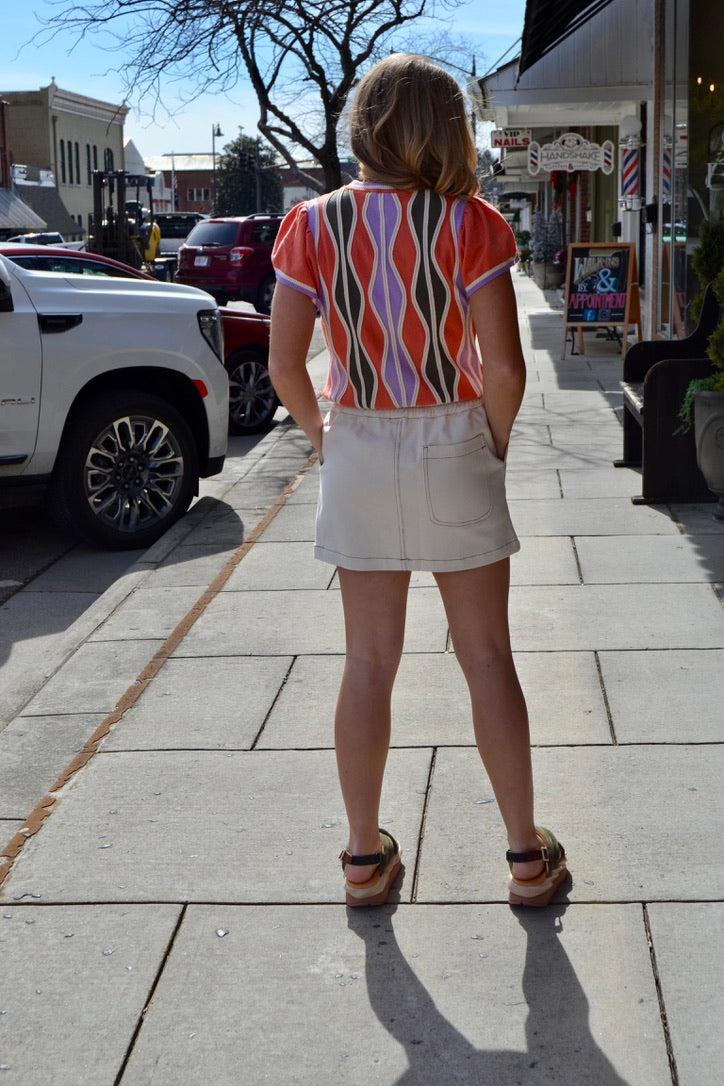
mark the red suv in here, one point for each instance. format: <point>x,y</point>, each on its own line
<point>231,259</point>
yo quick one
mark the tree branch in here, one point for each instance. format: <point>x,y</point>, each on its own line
<point>283,46</point>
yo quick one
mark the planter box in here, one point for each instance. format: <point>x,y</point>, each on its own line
<point>709,432</point>
<point>548,276</point>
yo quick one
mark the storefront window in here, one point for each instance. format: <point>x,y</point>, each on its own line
<point>692,145</point>
<point>676,216</point>
<point>706,111</point>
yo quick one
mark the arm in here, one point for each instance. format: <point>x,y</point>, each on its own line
<point>495,318</point>
<point>292,324</point>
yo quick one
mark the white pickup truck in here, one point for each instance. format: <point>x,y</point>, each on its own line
<point>113,400</point>
<point>51,237</point>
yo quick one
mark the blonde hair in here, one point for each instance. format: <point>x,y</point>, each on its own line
<point>409,129</point>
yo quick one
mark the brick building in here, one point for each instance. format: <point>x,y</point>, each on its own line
<point>192,179</point>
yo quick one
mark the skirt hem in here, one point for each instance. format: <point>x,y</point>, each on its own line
<point>429,565</point>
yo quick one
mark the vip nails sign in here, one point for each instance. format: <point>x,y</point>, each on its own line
<point>510,137</point>
<point>570,152</point>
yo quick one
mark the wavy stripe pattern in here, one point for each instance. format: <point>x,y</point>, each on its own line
<point>391,272</point>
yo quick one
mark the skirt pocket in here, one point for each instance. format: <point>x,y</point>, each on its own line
<point>457,481</point>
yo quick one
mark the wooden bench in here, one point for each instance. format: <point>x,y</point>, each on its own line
<point>656,374</point>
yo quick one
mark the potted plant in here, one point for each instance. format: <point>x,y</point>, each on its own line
<point>707,260</point>
<point>703,405</point>
<point>524,251</point>
<point>547,242</point>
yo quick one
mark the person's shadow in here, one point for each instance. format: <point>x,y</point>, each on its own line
<point>560,1048</point>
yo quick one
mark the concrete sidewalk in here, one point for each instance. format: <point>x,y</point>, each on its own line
<point>171,907</point>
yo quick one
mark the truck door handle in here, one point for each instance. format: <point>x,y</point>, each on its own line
<point>59,322</point>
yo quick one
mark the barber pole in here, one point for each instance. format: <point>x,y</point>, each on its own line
<point>607,161</point>
<point>630,172</point>
<point>666,173</point>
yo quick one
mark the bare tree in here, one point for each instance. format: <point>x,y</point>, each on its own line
<point>302,57</point>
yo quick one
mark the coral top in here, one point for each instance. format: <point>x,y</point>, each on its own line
<point>391,273</point>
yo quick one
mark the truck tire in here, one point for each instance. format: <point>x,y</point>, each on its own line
<point>252,399</point>
<point>126,471</point>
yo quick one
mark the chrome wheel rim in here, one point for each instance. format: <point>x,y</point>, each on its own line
<point>133,473</point>
<point>252,398</point>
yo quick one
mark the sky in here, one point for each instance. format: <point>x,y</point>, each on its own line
<point>488,28</point>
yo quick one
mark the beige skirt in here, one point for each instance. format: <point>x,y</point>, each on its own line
<point>417,488</point>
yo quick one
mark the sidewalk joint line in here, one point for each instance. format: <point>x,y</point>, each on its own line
<point>606,703</point>
<point>278,694</point>
<point>255,903</point>
<point>142,1016</point>
<point>577,559</point>
<point>423,823</point>
<point>660,997</point>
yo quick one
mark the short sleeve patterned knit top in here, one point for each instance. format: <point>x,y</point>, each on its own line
<point>391,272</point>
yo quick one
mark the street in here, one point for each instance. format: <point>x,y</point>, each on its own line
<point>30,544</point>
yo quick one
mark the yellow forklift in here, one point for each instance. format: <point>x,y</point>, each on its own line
<point>124,226</point>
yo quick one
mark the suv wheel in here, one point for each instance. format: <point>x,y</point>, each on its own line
<point>127,470</point>
<point>252,399</point>
<point>264,294</point>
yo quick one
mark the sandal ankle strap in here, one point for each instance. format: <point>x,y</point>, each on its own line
<point>527,857</point>
<point>550,852</point>
<point>360,861</point>
<point>378,858</point>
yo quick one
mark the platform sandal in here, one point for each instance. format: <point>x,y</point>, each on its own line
<point>376,889</point>
<point>538,891</point>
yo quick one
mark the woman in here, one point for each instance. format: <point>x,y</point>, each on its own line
<point>407,266</point>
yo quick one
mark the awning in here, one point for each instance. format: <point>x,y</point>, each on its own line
<point>16,216</point>
<point>548,22</point>
<point>46,202</point>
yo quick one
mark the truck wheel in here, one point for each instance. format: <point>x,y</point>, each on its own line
<point>126,471</point>
<point>265,294</point>
<point>252,399</point>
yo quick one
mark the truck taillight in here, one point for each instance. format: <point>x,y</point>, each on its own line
<point>236,256</point>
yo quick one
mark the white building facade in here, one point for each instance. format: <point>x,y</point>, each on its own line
<point>643,78</point>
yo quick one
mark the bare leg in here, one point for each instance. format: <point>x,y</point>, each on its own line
<point>476,604</point>
<point>374,614</point>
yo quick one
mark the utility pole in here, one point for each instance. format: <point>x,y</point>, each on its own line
<point>257,175</point>
<point>215,132</point>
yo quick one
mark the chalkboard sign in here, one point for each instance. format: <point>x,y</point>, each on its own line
<point>601,288</point>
